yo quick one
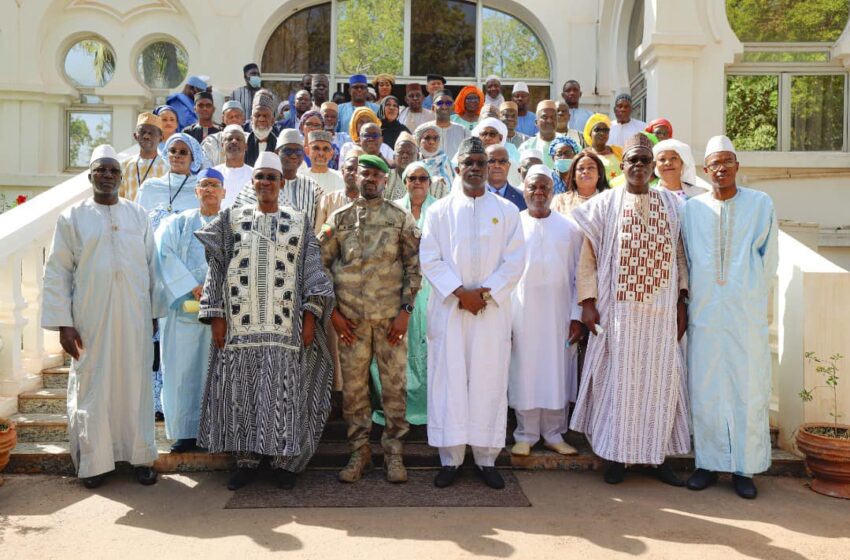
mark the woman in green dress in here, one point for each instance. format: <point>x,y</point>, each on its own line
<point>417,179</point>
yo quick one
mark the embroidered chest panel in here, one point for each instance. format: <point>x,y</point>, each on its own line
<point>646,249</point>
<point>261,276</point>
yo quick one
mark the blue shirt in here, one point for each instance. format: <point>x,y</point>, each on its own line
<point>525,124</point>
<point>428,102</point>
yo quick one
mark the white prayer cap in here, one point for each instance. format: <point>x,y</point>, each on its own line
<point>233,128</point>
<point>530,153</point>
<point>538,169</point>
<point>288,136</point>
<point>491,122</point>
<point>268,160</point>
<point>104,151</point>
<point>520,87</point>
<point>719,144</point>
<point>492,77</point>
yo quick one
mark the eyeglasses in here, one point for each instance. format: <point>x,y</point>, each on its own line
<point>601,129</point>
<point>417,178</point>
<point>370,136</point>
<point>431,138</point>
<point>717,166</point>
<point>266,177</point>
<point>210,185</point>
<point>501,161</point>
<point>634,160</point>
<point>178,151</point>
<point>444,103</point>
<point>475,163</point>
<point>292,151</point>
<point>488,133</point>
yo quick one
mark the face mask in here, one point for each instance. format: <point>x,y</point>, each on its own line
<point>255,81</point>
<point>562,165</point>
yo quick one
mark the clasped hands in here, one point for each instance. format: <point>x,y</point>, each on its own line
<point>471,300</point>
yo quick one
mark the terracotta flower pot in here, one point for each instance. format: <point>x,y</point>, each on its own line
<point>828,459</point>
<point>8,440</point>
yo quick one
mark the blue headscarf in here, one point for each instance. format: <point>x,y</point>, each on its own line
<point>162,108</point>
<point>197,153</point>
<point>563,140</point>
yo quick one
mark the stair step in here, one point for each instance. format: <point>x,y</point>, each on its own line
<point>38,427</point>
<point>48,401</point>
<point>55,378</point>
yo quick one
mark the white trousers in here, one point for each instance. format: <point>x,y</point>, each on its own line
<point>453,456</point>
<point>537,422</point>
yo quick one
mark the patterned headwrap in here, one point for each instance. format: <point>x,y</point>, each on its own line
<point>563,140</point>
<point>387,77</point>
<point>636,141</point>
<point>470,145</point>
<point>359,112</point>
<point>307,115</point>
<point>594,119</point>
<point>382,106</point>
<point>194,148</point>
<point>263,98</point>
<point>413,167</point>
<point>460,100</point>
<point>423,128</point>
<point>659,122</point>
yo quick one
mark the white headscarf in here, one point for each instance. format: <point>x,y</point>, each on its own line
<point>689,172</point>
<point>491,122</point>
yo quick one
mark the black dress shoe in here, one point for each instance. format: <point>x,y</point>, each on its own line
<point>744,487</point>
<point>92,482</point>
<point>445,477</point>
<point>615,473</point>
<point>240,478</point>
<point>146,475</point>
<point>285,479</point>
<point>665,474</point>
<point>490,476</point>
<point>183,445</point>
<point>159,416</point>
<point>701,479</point>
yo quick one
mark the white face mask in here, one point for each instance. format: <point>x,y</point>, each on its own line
<point>426,154</point>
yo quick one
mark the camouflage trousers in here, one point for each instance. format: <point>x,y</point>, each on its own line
<point>392,367</point>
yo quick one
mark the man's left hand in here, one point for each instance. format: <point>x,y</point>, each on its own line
<point>578,332</point>
<point>308,329</point>
<point>398,328</point>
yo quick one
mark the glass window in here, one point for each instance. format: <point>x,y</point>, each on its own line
<point>766,21</point>
<point>817,112</point>
<point>301,44</point>
<point>163,65</point>
<point>90,63</point>
<point>785,56</point>
<point>86,130</point>
<point>442,38</point>
<point>370,37</point>
<point>511,49</point>
<point>752,111</point>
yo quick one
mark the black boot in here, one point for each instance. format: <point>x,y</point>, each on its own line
<point>183,445</point>
<point>490,476</point>
<point>145,475</point>
<point>285,479</point>
<point>744,486</point>
<point>240,478</point>
<point>665,474</point>
<point>92,482</point>
<point>445,477</point>
<point>615,473</point>
<point>701,479</point>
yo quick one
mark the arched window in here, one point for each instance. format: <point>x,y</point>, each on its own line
<point>785,93</point>
<point>408,39</point>
<point>162,65</point>
<point>89,63</point>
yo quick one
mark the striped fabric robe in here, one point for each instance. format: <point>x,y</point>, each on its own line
<point>632,403</point>
<point>265,393</point>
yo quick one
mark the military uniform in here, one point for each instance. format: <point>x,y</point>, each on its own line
<point>371,251</point>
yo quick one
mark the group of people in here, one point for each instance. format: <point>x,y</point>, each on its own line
<point>574,270</point>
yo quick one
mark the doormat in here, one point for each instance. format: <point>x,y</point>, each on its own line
<point>319,489</point>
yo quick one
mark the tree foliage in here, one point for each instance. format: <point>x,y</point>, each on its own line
<point>103,59</point>
<point>511,50</point>
<point>442,37</point>
<point>79,136</point>
<point>751,111</point>
<point>370,37</point>
<point>163,65</point>
<point>817,112</point>
<point>760,21</point>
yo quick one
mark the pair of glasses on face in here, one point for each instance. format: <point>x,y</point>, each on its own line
<point>266,177</point>
<point>501,161</point>
<point>601,130</point>
<point>488,133</point>
<point>210,186</point>
<point>417,179</point>
<point>292,151</point>
<point>178,152</point>
<point>444,103</point>
<point>476,163</point>
<point>634,160</point>
<point>717,166</point>
<point>372,136</point>
<point>431,138</point>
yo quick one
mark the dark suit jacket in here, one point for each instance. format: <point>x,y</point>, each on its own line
<point>253,151</point>
<point>514,196</point>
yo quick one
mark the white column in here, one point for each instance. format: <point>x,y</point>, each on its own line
<point>11,325</point>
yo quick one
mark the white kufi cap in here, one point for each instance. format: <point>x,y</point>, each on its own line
<point>538,169</point>
<point>719,144</point>
<point>520,87</point>
<point>268,160</point>
<point>288,136</point>
<point>531,153</point>
<point>104,151</point>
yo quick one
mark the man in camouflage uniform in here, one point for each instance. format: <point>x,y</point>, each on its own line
<point>370,248</point>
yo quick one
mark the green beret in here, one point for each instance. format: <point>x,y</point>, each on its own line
<point>375,162</point>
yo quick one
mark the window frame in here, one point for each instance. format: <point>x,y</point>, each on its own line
<point>83,108</point>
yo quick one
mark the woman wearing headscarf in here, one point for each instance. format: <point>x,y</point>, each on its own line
<point>418,199</point>
<point>467,107</point>
<point>431,154</point>
<point>361,116</point>
<point>168,117</point>
<point>391,127</point>
<point>661,128</point>
<point>562,150</point>
<point>383,86</point>
<point>676,170</point>
<point>170,194</point>
<point>596,132</point>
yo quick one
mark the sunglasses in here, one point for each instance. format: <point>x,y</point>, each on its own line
<point>444,103</point>
<point>634,160</point>
<point>371,136</point>
<point>292,151</point>
<point>601,129</point>
<point>417,178</point>
<point>178,152</point>
<point>266,177</point>
<point>431,138</point>
<point>488,133</point>
<point>501,161</point>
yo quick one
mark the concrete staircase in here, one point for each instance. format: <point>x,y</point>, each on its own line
<point>43,444</point>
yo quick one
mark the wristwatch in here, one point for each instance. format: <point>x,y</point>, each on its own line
<point>407,308</point>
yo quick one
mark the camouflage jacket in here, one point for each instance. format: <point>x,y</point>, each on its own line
<point>370,249</point>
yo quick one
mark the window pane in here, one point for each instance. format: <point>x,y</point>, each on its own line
<point>765,21</point>
<point>301,44</point>
<point>370,37</point>
<point>751,111</point>
<point>85,131</point>
<point>163,65</point>
<point>789,56</point>
<point>817,113</point>
<point>511,49</point>
<point>442,38</point>
<point>90,63</point>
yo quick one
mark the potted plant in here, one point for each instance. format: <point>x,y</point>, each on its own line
<point>8,439</point>
<point>826,445</point>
